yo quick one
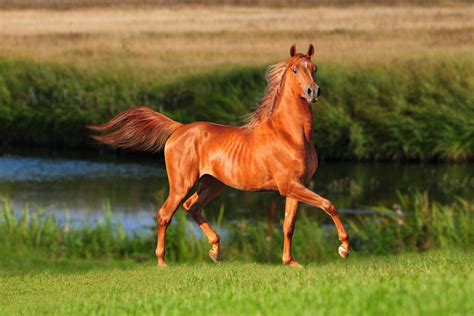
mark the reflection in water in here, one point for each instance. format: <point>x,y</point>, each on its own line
<point>135,190</point>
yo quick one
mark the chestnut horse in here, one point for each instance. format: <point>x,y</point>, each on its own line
<point>274,151</point>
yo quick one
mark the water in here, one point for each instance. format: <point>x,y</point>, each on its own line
<point>135,189</point>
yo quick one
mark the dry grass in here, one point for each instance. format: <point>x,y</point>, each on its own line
<point>184,40</point>
<point>73,4</point>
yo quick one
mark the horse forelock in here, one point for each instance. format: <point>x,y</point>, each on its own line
<point>273,75</point>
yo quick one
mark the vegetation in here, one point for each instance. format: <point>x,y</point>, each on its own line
<point>71,4</point>
<point>163,43</point>
<point>434,283</point>
<point>406,96</point>
<point>411,110</point>
<point>49,267</point>
<point>422,226</point>
<point>397,83</point>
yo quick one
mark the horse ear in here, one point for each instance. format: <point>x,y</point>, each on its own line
<point>293,50</point>
<point>310,52</point>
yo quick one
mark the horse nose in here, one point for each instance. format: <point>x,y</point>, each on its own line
<point>319,92</point>
<point>310,91</point>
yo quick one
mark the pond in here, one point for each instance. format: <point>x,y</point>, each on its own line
<point>83,187</point>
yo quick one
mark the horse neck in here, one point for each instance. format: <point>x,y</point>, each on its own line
<point>293,114</point>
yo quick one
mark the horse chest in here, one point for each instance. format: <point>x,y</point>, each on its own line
<point>309,162</point>
<point>312,163</point>
<point>300,161</point>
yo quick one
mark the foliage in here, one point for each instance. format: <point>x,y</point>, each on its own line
<point>41,232</point>
<point>422,225</point>
<point>414,110</point>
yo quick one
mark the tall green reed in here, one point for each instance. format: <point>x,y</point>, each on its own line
<point>417,109</point>
<point>417,224</point>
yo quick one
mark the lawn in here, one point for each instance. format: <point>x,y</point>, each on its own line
<point>435,283</point>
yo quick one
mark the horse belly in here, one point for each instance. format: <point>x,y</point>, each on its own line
<point>240,174</point>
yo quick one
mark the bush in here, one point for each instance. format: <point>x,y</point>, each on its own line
<point>416,110</point>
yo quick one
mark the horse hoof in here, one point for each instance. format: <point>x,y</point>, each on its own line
<point>293,264</point>
<point>162,265</point>
<point>343,252</point>
<point>214,255</point>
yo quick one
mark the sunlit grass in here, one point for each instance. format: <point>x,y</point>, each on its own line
<point>434,283</point>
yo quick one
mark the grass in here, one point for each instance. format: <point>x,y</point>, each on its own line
<point>417,262</point>
<point>434,283</point>
<point>74,4</point>
<point>164,43</point>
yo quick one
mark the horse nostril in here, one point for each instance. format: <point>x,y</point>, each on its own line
<point>319,92</point>
<point>309,91</point>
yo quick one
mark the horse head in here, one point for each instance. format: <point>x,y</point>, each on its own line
<point>302,72</point>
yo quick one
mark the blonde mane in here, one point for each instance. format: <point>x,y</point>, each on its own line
<point>273,75</point>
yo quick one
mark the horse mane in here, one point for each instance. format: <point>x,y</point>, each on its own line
<point>273,76</point>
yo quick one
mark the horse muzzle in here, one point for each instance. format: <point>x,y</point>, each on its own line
<point>312,94</point>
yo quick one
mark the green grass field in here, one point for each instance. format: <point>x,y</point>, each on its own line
<point>434,283</point>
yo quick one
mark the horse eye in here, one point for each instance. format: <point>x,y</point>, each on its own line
<point>295,70</point>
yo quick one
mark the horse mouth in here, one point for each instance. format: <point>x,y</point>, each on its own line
<point>310,100</point>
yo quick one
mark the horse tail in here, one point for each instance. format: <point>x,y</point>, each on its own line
<point>139,129</point>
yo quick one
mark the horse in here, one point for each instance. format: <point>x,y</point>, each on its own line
<point>272,151</point>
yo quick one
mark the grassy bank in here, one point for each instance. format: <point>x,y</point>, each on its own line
<point>434,283</point>
<point>423,225</point>
<point>414,109</point>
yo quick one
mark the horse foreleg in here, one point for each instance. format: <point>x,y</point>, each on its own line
<point>291,210</point>
<point>207,191</point>
<point>304,195</point>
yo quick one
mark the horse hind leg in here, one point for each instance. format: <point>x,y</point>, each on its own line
<point>208,189</point>
<point>165,214</point>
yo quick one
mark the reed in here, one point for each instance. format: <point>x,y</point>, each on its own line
<point>420,225</point>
